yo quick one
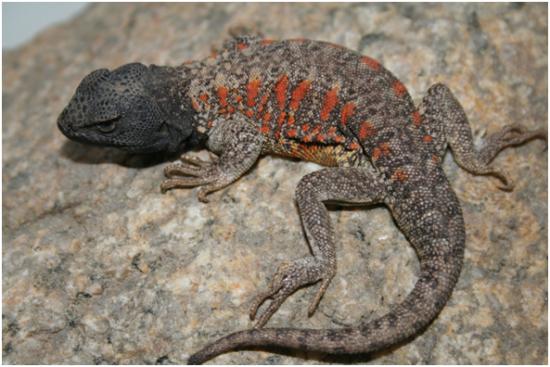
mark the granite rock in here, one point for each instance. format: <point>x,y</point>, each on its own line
<point>100,267</point>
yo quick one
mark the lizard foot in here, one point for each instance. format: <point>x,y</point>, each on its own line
<point>289,277</point>
<point>190,172</point>
<point>509,136</point>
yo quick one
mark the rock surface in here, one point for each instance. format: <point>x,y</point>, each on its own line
<point>99,267</point>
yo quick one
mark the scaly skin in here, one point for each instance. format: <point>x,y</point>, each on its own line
<point>317,102</point>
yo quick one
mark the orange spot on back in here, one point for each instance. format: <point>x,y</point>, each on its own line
<point>281,118</point>
<point>291,120</point>
<point>381,150</point>
<point>353,146</point>
<point>398,88</point>
<point>305,128</point>
<point>347,112</point>
<point>371,63</point>
<point>249,113</point>
<point>298,94</point>
<point>266,42</point>
<point>265,128</point>
<point>267,117</point>
<point>427,138</point>
<point>331,99</point>
<point>291,133</point>
<point>365,130</point>
<point>339,139</point>
<point>400,175</point>
<point>204,97</point>
<point>252,92</point>
<point>416,118</point>
<point>332,130</point>
<point>241,46</point>
<point>281,90</point>
<point>222,95</point>
<point>263,102</point>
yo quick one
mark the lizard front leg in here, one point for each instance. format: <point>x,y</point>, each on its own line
<point>342,185</point>
<point>238,144</point>
<point>447,124</point>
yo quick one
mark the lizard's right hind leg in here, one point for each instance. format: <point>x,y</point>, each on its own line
<point>447,124</point>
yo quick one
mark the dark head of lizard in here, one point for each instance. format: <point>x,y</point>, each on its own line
<point>134,107</point>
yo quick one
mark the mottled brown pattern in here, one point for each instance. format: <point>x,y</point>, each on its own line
<point>318,102</point>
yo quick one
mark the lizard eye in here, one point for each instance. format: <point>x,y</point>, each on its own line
<point>107,126</point>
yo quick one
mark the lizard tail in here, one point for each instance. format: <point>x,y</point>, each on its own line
<point>421,306</point>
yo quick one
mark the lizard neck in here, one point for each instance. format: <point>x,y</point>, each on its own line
<point>169,87</point>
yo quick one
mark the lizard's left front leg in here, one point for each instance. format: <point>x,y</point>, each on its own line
<point>342,185</point>
<point>238,144</point>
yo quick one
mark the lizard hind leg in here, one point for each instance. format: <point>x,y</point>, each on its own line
<point>445,119</point>
<point>345,185</point>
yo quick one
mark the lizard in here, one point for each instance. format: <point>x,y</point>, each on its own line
<point>319,102</point>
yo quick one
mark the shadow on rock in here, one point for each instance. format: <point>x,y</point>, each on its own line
<point>89,154</point>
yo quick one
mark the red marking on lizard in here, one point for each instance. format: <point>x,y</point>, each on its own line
<point>204,97</point>
<point>365,130</point>
<point>320,138</point>
<point>400,175</point>
<point>222,95</point>
<point>331,99</point>
<point>416,118</point>
<point>252,92</point>
<point>381,150</point>
<point>241,46</point>
<point>353,146</point>
<point>281,118</point>
<point>281,90</point>
<point>398,88</point>
<point>298,94</point>
<point>427,138</point>
<point>371,63</point>
<point>266,42</point>
<point>347,112</point>
<point>291,120</point>
<point>291,133</point>
<point>339,139</point>
<point>263,102</point>
<point>305,128</point>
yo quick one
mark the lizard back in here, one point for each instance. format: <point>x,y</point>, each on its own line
<point>312,100</point>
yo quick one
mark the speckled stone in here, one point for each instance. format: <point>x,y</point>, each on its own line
<point>100,267</point>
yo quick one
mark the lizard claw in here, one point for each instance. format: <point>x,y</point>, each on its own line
<point>189,172</point>
<point>289,277</point>
<point>507,185</point>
